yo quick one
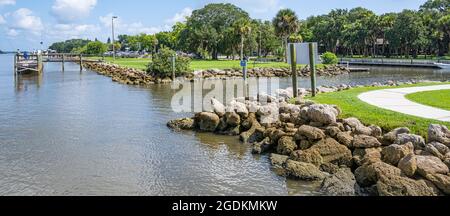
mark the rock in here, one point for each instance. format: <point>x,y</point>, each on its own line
<point>329,168</point>
<point>366,155</point>
<point>439,133</point>
<point>395,185</point>
<point>304,144</point>
<point>308,156</point>
<point>443,149</point>
<point>261,147</point>
<point>364,141</point>
<point>357,126</point>
<point>218,107</point>
<point>408,165</point>
<point>303,171</point>
<point>247,123</point>
<point>416,140</point>
<point>278,160</point>
<point>333,131</point>
<point>390,137</point>
<point>427,165</point>
<point>254,134</point>
<point>181,124</point>
<point>269,113</point>
<point>394,153</point>
<point>333,152</point>
<point>376,131</point>
<point>368,174</point>
<point>233,119</point>
<point>239,108</point>
<point>324,114</point>
<point>310,133</point>
<point>342,183</point>
<point>441,181</point>
<point>345,138</point>
<point>434,151</point>
<point>286,145</point>
<point>207,122</point>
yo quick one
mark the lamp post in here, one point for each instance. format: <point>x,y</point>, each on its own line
<point>113,43</point>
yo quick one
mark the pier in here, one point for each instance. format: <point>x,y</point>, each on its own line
<point>393,62</point>
<point>34,63</point>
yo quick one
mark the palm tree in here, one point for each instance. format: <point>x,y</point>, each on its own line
<point>286,23</point>
<point>242,27</point>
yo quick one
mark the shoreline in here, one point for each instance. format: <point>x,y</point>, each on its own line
<point>308,141</point>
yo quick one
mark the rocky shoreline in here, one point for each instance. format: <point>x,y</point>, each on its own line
<point>308,141</point>
<point>131,76</point>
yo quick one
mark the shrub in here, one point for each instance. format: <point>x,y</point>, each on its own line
<point>161,64</point>
<point>329,58</point>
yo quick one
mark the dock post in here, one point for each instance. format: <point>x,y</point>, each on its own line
<point>81,62</point>
<point>312,60</point>
<point>294,70</point>
<point>63,62</point>
<point>15,65</point>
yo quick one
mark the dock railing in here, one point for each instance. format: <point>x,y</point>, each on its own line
<point>394,62</point>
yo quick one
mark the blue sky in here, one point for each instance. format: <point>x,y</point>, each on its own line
<point>24,23</point>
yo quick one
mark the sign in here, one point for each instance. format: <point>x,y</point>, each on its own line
<point>302,53</point>
<point>244,63</point>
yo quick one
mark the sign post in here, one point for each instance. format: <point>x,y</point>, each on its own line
<point>244,72</point>
<point>312,64</point>
<point>294,70</point>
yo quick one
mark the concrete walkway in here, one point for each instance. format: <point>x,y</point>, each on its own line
<point>394,100</point>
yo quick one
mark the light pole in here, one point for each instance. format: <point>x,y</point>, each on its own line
<point>113,43</point>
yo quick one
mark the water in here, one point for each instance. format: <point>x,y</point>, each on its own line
<point>78,133</point>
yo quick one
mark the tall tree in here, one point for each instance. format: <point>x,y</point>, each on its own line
<point>242,27</point>
<point>286,23</point>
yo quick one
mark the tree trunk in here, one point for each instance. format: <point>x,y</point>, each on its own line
<point>285,49</point>
<point>242,47</point>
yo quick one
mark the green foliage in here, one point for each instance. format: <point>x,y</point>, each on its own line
<point>95,48</point>
<point>329,58</point>
<point>161,64</point>
<point>69,45</point>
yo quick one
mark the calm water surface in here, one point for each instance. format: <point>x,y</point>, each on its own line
<point>72,133</point>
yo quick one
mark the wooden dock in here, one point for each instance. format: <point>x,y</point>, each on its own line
<point>35,63</point>
<point>416,63</point>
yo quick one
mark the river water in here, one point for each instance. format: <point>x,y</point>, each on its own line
<point>72,133</point>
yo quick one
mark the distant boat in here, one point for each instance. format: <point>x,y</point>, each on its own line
<point>442,65</point>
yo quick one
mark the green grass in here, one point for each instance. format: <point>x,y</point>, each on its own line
<point>438,99</point>
<point>198,64</point>
<point>351,106</point>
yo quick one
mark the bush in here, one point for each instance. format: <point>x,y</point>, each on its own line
<point>329,58</point>
<point>161,64</point>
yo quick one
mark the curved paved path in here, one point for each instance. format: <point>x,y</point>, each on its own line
<point>394,99</point>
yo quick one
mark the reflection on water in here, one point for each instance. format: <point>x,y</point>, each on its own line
<point>78,133</point>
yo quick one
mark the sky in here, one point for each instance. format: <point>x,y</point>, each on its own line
<point>25,23</point>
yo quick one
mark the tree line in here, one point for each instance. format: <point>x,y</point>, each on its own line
<point>227,30</point>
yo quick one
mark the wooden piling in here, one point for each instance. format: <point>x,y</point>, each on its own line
<point>81,62</point>
<point>63,62</point>
<point>15,65</point>
<point>312,60</point>
<point>294,70</point>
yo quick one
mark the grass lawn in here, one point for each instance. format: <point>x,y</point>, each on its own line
<point>353,107</point>
<point>439,98</point>
<point>198,64</point>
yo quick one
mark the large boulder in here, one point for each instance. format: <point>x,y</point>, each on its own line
<point>262,147</point>
<point>303,171</point>
<point>182,124</point>
<point>441,181</point>
<point>439,133</point>
<point>254,134</point>
<point>408,165</point>
<point>341,183</point>
<point>427,165</point>
<point>333,152</point>
<point>324,114</point>
<point>310,133</point>
<point>307,156</point>
<point>366,155</point>
<point>218,107</point>
<point>390,137</point>
<point>207,121</point>
<point>395,185</point>
<point>345,138</point>
<point>238,107</point>
<point>364,141</point>
<point>369,174</point>
<point>394,153</point>
<point>233,119</point>
<point>416,140</point>
<point>278,160</point>
<point>357,127</point>
<point>286,145</point>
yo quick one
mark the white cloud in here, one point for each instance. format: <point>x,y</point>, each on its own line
<point>180,17</point>
<point>23,19</point>
<point>2,20</point>
<point>12,32</point>
<point>7,2</point>
<point>71,10</point>
<point>66,31</point>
